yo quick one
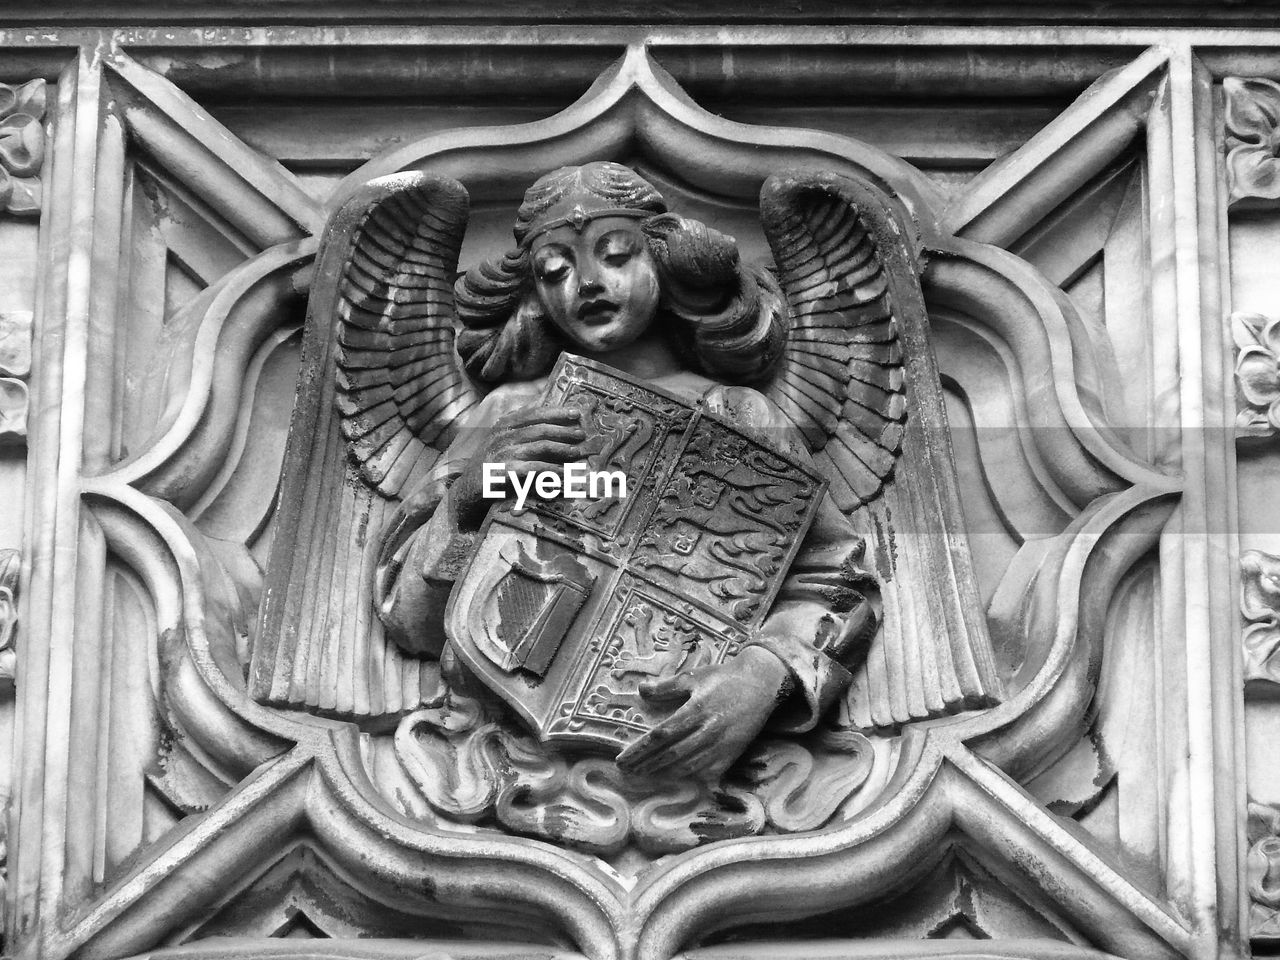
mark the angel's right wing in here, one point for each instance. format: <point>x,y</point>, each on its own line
<point>380,393</point>
<point>401,387</point>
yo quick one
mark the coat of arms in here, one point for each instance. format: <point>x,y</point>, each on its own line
<point>568,606</point>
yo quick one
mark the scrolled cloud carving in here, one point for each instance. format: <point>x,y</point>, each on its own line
<point>1253,142</point>
<point>22,110</point>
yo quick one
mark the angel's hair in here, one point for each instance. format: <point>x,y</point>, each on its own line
<point>504,334</point>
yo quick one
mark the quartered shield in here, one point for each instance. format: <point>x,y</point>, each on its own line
<point>570,604</point>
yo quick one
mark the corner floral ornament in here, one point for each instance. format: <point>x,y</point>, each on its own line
<point>1257,373</point>
<point>1252,111</point>
<point>22,111</point>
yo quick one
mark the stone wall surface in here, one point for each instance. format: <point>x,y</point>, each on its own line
<point>938,343</point>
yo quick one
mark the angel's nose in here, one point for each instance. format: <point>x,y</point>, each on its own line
<point>589,283</point>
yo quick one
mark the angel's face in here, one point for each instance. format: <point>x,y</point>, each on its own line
<point>598,286</point>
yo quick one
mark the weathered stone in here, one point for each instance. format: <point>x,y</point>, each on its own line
<point>922,617</point>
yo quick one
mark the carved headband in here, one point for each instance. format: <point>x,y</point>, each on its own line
<point>579,218</point>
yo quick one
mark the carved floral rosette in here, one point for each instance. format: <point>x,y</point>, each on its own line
<point>1257,340</point>
<point>1260,604</point>
<point>1262,865</point>
<point>275,780</point>
<point>1252,113</point>
<point>22,146</point>
<point>22,152</point>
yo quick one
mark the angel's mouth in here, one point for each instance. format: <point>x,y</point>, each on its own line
<point>595,312</point>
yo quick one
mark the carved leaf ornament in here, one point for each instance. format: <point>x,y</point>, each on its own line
<point>1260,604</point>
<point>1262,866</point>
<point>21,146</point>
<point>10,564</point>
<point>953,782</point>
<point>1257,341</point>
<point>1253,140</point>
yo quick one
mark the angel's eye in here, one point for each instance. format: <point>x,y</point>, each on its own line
<point>616,248</point>
<point>552,269</point>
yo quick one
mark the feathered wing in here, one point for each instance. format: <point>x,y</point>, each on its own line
<point>859,381</point>
<point>840,380</point>
<point>400,385</point>
<point>379,393</point>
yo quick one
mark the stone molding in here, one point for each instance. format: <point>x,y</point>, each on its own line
<point>1003,12</point>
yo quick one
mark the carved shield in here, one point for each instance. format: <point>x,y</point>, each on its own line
<point>570,604</point>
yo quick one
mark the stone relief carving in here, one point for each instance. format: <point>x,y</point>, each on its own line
<point>1257,340</point>
<point>599,667</point>
<point>329,760</point>
<point>1252,110</point>
<point>1260,604</point>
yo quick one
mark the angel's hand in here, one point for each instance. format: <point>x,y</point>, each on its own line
<point>722,710</point>
<point>524,441</point>
<point>699,265</point>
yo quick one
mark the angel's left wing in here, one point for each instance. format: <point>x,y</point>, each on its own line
<point>859,381</point>
<point>840,380</point>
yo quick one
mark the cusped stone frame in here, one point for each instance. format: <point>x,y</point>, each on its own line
<point>954,780</point>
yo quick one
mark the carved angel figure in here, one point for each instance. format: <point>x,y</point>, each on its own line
<point>432,381</point>
<point>603,271</point>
